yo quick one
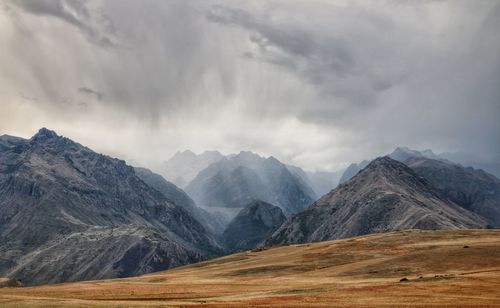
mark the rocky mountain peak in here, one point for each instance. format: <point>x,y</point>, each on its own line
<point>58,196</point>
<point>403,153</point>
<point>384,196</point>
<point>385,167</point>
<point>45,133</point>
<point>386,163</point>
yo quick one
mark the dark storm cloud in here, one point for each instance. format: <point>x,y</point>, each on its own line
<point>335,55</point>
<point>374,69</point>
<point>74,13</point>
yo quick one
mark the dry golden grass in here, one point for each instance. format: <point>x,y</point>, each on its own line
<point>362,271</point>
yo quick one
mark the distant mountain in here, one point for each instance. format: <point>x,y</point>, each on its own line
<point>242,178</point>
<point>68,213</point>
<point>400,154</point>
<point>253,224</point>
<point>183,167</point>
<point>352,170</point>
<point>475,190</point>
<point>385,196</point>
<point>467,160</point>
<point>403,153</point>
<point>180,198</point>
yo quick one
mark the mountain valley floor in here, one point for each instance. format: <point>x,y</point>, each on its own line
<point>407,268</point>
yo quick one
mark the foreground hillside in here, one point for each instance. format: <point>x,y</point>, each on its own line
<point>458,268</point>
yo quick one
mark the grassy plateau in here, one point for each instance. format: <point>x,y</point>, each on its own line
<point>409,268</point>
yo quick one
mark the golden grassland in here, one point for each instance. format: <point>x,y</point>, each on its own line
<point>443,268</point>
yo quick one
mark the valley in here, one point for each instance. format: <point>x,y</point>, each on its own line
<point>442,268</point>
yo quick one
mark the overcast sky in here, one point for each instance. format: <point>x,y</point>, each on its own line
<point>315,83</point>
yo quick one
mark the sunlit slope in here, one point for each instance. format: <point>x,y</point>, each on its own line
<point>459,268</point>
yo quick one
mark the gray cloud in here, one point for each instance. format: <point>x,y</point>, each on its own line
<point>333,61</point>
<point>87,91</point>
<point>316,83</point>
<point>75,13</point>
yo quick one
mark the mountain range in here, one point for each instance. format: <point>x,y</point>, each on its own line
<point>403,153</point>
<point>384,196</point>
<point>183,167</point>
<point>232,183</point>
<point>68,213</point>
<point>474,189</point>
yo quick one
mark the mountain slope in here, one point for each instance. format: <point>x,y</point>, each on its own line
<point>68,213</point>
<point>253,224</point>
<point>472,189</point>
<point>234,182</point>
<point>385,196</point>
<point>180,198</point>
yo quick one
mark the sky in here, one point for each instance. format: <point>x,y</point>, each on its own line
<point>315,83</point>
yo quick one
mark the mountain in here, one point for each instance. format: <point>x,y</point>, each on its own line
<point>180,198</point>
<point>385,196</point>
<point>475,190</point>
<point>242,178</point>
<point>183,167</point>
<point>401,154</point>
<point>68,213</point>
<point>253,224</point>
<point>352,170</point>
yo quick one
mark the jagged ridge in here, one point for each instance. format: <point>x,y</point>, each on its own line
<point>385,196</point>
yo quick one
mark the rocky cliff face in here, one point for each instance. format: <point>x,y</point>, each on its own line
<point>385,196</point>
<point>253,224</point>
<point>68,213</point>
<point>475,190</point>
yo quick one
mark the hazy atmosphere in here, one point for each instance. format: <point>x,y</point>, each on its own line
<point>315,83</point>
